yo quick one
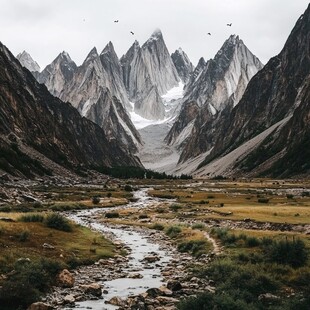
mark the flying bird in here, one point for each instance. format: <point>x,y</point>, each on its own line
<point>208,33</point>
<point>229,24</point>
<point>131,32</point>
<point>116,21</point>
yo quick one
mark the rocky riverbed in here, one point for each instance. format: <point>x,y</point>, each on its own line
<point>141,280</point>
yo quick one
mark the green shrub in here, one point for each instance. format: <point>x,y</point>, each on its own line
<point>109,195</point>
<point>111,215</point>
<point>175,207</point>
<point>27,283</point>
<point>198,226</point>
<point>57,221</point>
<point>158,226</point>
<point>173,231</point>
<point>96,200</point>
<point>23,236</point>
<point>263,200</point>
<point>143,216</point>
<point>128,188</point>
<point>195,247</point>
<point>252,242</point>
<point>289,196</point>
<point>292,253</point>
<point>31,218</point>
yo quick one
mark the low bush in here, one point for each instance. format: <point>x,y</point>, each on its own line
<point>252,242</point>
<point>27,283</point>
<point>195,247</point>
<point>175,207</point>
<point>35,217</point>
<point>173,231</point>
<point>143,216</point>
<point>157,226</point>
<point>128,188</point>
<point>23,236</point>
<point>96,200</point>
<point>198,226</point>
<point>288,252</point>
<point>111,215</point>
<point>57,221</point>
<point>263,200</point>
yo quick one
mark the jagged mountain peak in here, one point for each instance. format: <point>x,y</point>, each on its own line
<point>27,61</point>
<point>156,36</point>
<point>109,48</point>
<point>93,54</point>
<point>182,64</point>
<point>64,56</point>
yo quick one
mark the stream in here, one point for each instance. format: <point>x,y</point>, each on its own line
<point>139,247</point>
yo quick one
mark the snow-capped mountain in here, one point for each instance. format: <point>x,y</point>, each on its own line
<point>58,74</point>
<point>183,65</point>
<point>215,85</point>
<point>148,73</point>
<point>26,61</point>
<point>97,91</point>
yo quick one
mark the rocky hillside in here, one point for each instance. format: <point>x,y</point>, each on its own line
<point>37,128</point>
<point>268,132</point>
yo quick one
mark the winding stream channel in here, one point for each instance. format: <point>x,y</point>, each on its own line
<point>139,247</point>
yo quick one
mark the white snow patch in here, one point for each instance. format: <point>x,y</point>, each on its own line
<point>86,106</point>
<point>223,165</point>
<point>212,109</point>
<point>141,122</point>
<point>174,93</point>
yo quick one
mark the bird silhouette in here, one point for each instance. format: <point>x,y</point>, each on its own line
<point>116,21</point>
<point>229,24</point>
<point>131,32</point>
<point>208,33</point>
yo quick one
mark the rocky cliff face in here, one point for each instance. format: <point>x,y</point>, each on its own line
<point>58,74</point>
<point>216,86</point>
<point>183,65</point>
<point>26,61</point>
<point>148,73</point>
<point>91,91</point>
<point>226,76</point>
<point>274,112</point>
<point>35,126</point>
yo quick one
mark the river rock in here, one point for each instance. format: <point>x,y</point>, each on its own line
<point>135,276</point>
<point>174,285</point>
<point>66,278</point>
<point>40,306</point>
<point>166,300</point>
<point>117,301</point>
<point>151,258</point>
<point>69,299</point>
<point>92,288</point>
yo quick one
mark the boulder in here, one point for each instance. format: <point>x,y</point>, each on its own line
<point>174,285</point>
<point>69,299</point>
<point>65,278</point>
<point>92,288</point>
<point>40,306</point>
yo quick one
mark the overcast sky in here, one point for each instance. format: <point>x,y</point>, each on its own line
<point>44,28</point>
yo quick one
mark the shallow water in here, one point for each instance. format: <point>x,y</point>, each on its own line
<point>139,245</point>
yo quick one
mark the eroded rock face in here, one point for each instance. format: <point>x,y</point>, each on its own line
<point>58,74</point>
<point>98,92</point>
<point>278,94</point>
<point>45,129</point>
<point>148,73</point>
<point>27,61</point>
<point>183,65</point>
<point>216,86</point>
